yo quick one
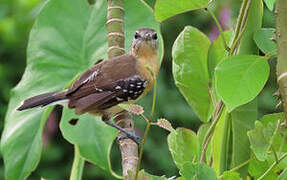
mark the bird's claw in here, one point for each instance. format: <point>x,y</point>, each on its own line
<point>129,135</point>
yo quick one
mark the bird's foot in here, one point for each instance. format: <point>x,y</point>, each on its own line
<point>130,135</point>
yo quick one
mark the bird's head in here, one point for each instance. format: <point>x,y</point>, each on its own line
<point>145,42</point>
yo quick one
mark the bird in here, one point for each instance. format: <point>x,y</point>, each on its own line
<point>100,89</point>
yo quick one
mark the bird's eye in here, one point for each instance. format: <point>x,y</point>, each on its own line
<point>137,35</point>
<point>154,37</point>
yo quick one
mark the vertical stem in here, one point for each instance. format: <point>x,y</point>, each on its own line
<point>147,129</point>
<point>78,165</point>
<point>281,38</point>
<point>239,21</point>
<point>116,42</point>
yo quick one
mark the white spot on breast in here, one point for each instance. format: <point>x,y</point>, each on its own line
<point>118,87</point>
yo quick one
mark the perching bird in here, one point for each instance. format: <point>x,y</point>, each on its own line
<point>122,79</point>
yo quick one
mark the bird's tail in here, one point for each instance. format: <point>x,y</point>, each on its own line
<point>42,100</point>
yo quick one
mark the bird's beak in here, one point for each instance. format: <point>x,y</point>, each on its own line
<point>147,37</point>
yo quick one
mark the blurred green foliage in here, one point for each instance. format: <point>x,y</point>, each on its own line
<point>16,19</point>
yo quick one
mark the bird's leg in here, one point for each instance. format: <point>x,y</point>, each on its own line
<point>129,134</point>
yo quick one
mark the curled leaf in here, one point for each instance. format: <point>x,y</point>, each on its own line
<point>165,124</point>
<point>133,108</point>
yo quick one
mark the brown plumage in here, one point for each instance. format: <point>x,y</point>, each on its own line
<point>101,88</point>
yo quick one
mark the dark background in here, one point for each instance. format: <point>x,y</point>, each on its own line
<point>16,19</point>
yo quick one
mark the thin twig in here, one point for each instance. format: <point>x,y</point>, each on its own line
<point>236,39</point>
<point>241,28</point>
<point>239,21</point>
<point>275,154</point>
<point>282,143</point>
<point>274,134</point>
<point>272,166</point>
<point>147,128</point>
<point>236,42</point>
<point>209,133</point>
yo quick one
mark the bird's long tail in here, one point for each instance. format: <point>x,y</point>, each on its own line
<point>42,100</point>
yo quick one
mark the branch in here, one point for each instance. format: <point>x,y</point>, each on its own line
<point>281,39</point>
<point>115,28</point>
<point>217,113</point>
<point>240,26</point>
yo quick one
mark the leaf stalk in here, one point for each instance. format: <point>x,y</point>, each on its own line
<point>78,165</point>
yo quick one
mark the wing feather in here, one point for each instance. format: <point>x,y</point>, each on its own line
<point>106,84</point>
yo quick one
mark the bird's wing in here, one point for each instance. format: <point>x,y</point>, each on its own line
<point>107,84</point>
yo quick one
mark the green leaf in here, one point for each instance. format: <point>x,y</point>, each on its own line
<point>21,149</point>
<point>231,175</point>
<point>270,4</point>
<point>220,143</point>
<point>93,137</point>
<point>167,8</point>
<point>217,51</point>
<point>239,79</point>
<point>244,116</point>
<point>256,168</point>
<point>184,146</point>
<point>190,72</point>
<point>243,119</point>
<point>264,39</point>
<point>197,171</point>
<point>66,39</point>
<point>261,138</point>
<point>278,137</point>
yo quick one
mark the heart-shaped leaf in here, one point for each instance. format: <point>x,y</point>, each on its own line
<point>239,79</point>
<point>168,8</point>
<point>217,52</point>
<point>184,146</point>
<point>189,53</point>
